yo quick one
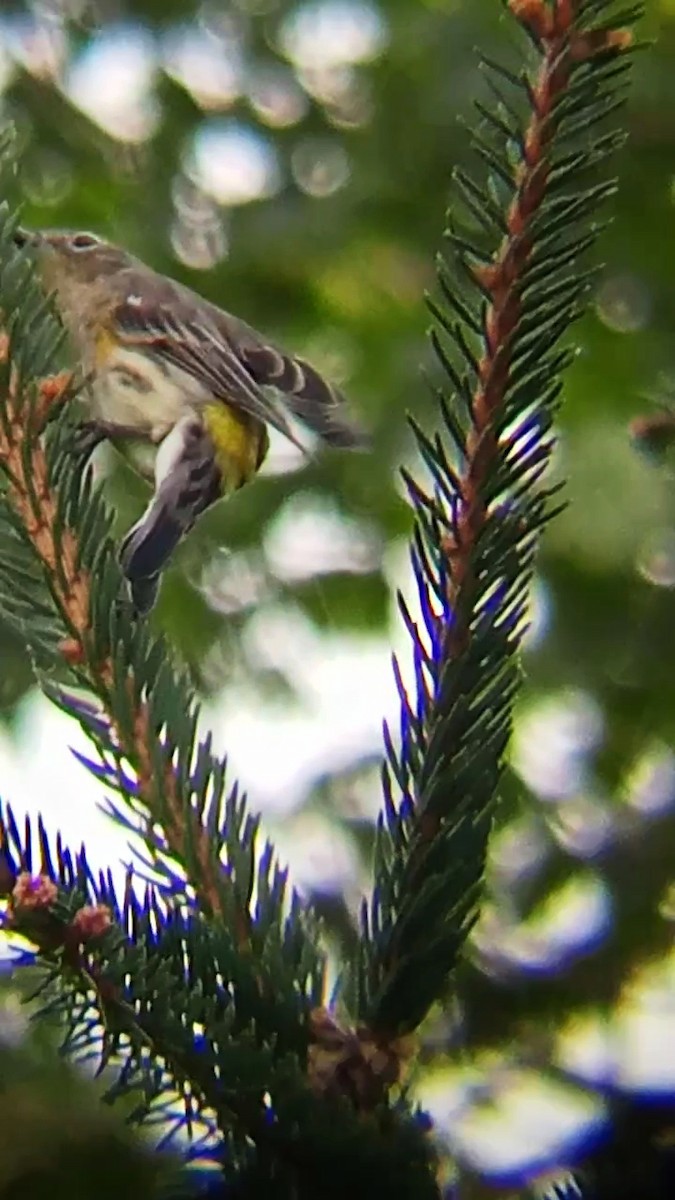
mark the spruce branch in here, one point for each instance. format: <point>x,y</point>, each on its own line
<point>36,505</point>
<point>192,831</point>
<point>511,284</point>
<point>60,586</point>
<point>163,1002</point>
<point>223,948</point>
<point>212,986</point>
<point>107,656</point>
<point>105,964</point>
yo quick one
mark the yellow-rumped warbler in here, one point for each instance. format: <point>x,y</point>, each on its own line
<point>167,367</point>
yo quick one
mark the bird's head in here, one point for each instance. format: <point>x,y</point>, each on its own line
<point>74,265</point>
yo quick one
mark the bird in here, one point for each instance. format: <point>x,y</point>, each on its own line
<point>168,368</point>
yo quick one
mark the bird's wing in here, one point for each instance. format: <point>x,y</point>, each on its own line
<point>233,361</point>
<point>178,337</point>
<point>307,395</point>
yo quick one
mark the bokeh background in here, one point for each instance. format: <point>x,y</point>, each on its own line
<point>291,161</point>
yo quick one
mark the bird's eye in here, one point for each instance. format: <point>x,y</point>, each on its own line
<point>83,241</point>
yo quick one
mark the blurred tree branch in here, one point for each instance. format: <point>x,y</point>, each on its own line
<point>208,993</point>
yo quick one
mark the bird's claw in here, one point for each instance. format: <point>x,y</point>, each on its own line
<point>86,437</point>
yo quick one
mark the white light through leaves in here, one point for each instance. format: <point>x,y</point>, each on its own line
<point>233,163</point>
<point>111,81</point>
<point>309,537</point>
<point>329,33</point>
<point>209,68</point>
<point>276,98</point>
<point>320,167</point>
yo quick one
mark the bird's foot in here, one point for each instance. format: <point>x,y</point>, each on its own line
<point>86,437</point>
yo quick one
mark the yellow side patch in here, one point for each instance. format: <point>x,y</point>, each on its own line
<point>105,344</point>
<point>240,441</point>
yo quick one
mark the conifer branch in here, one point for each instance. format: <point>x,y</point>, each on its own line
<point>251,974</point>
<point>61,587</point>
<point>501,281</point>
<point>215,981</point>
<point>510,288</point>
<point>163,1000</point>
<point>36,505</point>
<point>82,935</point>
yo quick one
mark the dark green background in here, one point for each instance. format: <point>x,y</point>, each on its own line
<point>346,273</point>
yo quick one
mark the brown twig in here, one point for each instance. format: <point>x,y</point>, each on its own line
<point>502,280</point>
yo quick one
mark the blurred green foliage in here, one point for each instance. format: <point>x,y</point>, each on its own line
<point>55,1144</point>
<point>358,133</point>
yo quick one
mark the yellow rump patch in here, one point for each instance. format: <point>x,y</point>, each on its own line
<point>240,441</point>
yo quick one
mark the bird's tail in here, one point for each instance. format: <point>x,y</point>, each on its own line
<point>146,549</point>
<point>187,482</point>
